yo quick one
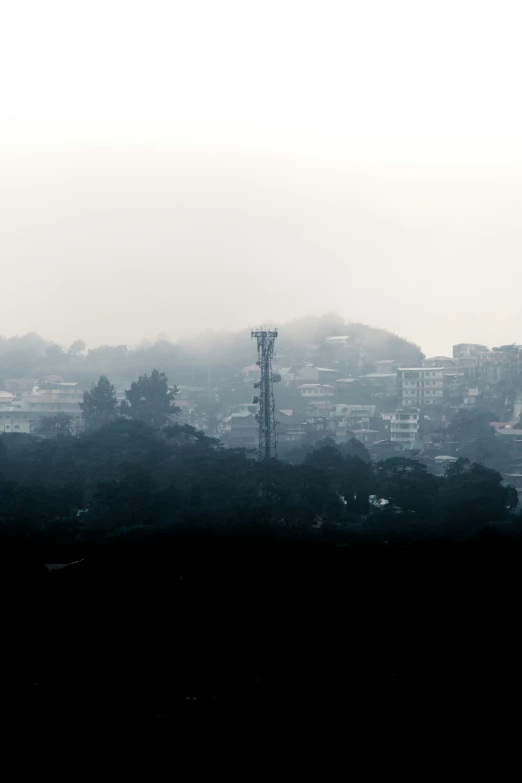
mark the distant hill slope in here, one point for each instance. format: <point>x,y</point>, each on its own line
<point>190,360</point>
<point>372,343</point>
<point>381,344</point>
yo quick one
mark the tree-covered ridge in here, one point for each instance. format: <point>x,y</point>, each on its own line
<point>129,478</point>
<point>373,343</point>
<point>189,359</point>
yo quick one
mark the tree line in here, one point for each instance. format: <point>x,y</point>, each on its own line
<point>150,400</point>
<point>136,472</point>
<point>190,359</point>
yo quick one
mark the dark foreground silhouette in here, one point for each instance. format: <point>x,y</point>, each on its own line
<point>367,639</point>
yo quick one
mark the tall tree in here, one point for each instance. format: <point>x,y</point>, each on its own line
<point>99,404</point>
<point>472,495</point>
<point>55,354</point>
<point>151,400</point>
<point>407,486</point>
<point>350,478</point>
<point>50,426</point>
<point>206,415</point>
<point>77,347</point>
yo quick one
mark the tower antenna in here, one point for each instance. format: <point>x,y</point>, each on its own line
<point>266,415</point>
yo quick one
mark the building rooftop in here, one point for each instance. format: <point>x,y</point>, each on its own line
<point>23,408</point>
<point>20,407</point>
<point>50,397</point>
<point>315,386</point>
<point>341,406</point>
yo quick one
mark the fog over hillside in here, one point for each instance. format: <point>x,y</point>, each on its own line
<point>31,355</point>
<point>135,241</point>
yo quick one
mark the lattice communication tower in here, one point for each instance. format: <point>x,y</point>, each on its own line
<point>265,398</point>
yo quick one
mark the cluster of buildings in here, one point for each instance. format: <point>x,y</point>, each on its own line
<point>24,401</point>
<point>391,408</point>
<point>329,391</point>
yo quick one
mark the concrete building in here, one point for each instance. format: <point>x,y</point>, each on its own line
<point>316,391</point>
<point>251,372</point>
<point>327,374</point>
<point>386,366</point>
<point>463,350</point>
<point>339,350</point>
<point>420,386</point>
<point>380,382</point>
<point>439,361</point>
<point>23,416</point>
<point>513,436</point>
<point>454,388</point>
<point>352,390</point>
<point>366,436</point>
<point>19,418</point>
<point>405,425</point>
<point>307,373</point>
<point>343,411</point>
<point>17,385</point>
<point>471,397</point>
<point>299,373</point>
<point>385,449</point>
<point>512,361</point>
<point>244,430</point>
<point>22,408</point>
<point>6,398</point>
<point>485,367</point>
<point>340,339</point>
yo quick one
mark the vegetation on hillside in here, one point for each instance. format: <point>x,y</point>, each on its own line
<point>192,360</point>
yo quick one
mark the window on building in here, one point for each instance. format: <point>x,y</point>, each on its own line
<point>17,426</point>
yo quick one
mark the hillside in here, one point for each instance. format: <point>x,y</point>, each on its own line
<point>188,360</point>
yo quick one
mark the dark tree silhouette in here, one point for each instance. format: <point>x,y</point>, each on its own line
<point>99,404</point>
<point>76,349</point>
<point>51,426</point>
<point>150,400</point>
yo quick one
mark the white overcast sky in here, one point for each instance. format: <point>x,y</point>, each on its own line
<point>170,166</point>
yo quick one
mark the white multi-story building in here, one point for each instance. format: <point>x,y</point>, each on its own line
<point>439,361</point>
<point>463,350</point>
<point>22,411</point>
<point>419,386</point>
<point>316,390</point>
<point>23,416</point>
<point>404,425</point>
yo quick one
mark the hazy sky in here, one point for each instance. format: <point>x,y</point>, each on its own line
<point>170,166</point>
